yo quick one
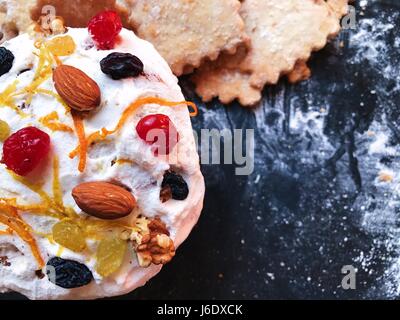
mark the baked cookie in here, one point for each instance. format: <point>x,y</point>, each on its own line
<point>282,33</point>
<point>187,32</point>
<point>14,16</point>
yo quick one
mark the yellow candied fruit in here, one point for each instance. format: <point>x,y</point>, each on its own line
<point>62,46</point>
<point>110,255</point>
<point>69,235</point>
<point>4,130</point>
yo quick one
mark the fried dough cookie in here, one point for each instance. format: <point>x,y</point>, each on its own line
<point>186,32</point>
<point>14,16</point>
<point>222,79</point>
<point>283,33</point>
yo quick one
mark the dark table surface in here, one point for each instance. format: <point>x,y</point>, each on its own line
<point>315,201</point>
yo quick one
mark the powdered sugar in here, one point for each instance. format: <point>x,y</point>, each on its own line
<point>335,141</point>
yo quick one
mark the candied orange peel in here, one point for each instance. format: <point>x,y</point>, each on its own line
<point>52,121</point>
<point>9,216</point>
<point>52,207</point>
<point>83,143</point>
<point>128,112</point>
<point>7,98</point>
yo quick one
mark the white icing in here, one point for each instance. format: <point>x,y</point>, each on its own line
<point>144,177</point>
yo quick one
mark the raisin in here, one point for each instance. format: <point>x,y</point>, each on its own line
<point>68,274</point>
<point>4,261</point>
<point>69,235</point>
<point>110,255</point>
<point>176,184</point>
<point>62,46</point>
<point>121,65</point>
<point>6,60</point>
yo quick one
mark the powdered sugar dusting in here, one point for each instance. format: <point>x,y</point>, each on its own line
<point>364,147</point>
<point>326,187</point>
<point>376,41</point>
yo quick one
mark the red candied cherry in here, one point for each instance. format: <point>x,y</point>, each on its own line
<point>25,149</point>
<point>104,29</point>
<point>158,130</point>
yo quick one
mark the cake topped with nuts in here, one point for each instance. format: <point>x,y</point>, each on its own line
<point>100,178</point>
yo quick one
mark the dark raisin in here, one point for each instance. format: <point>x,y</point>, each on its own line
<point>121,65</point>
<point>68,274</point>
<point>6,60</point>
<point>39,274</point>
<point>4,261</point>
<point>176,185</point>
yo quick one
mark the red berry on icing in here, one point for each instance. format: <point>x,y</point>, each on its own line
<point>104,29</point>
<point>25,149</point>
<point>159,131</point>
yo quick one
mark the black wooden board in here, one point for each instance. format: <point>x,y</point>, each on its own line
<point>315,201</point>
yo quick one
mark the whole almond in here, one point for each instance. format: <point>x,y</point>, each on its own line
<point>104,200</point>
<point>76,88</point>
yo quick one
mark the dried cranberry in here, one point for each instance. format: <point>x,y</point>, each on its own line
<point>104,29</point>
<point>175,185</point>
<point>159,131</point>
<point>121,65</point>
<point>25,149</point>
<point>68,274</point>
<point>6,60</point>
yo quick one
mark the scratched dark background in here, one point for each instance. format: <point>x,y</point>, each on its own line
<point>285,231</point>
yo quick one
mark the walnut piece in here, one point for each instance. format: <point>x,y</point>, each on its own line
<point>156,246</point>
<point>4,261</point>
<point>48,27</point>
<point>165,194</point>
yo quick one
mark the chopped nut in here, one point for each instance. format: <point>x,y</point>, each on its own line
<point>165,194</point>
<point>142,224</point>
<point>57,26</point>
<point>125,235</point>
<point>33,29</point>
<point>144,259</point>
<point>46,27</point>
<point>39,274</point>
<point>4,261</point>
<point>163,241</point>
<point>157,226</point>
<point>155,247</point>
